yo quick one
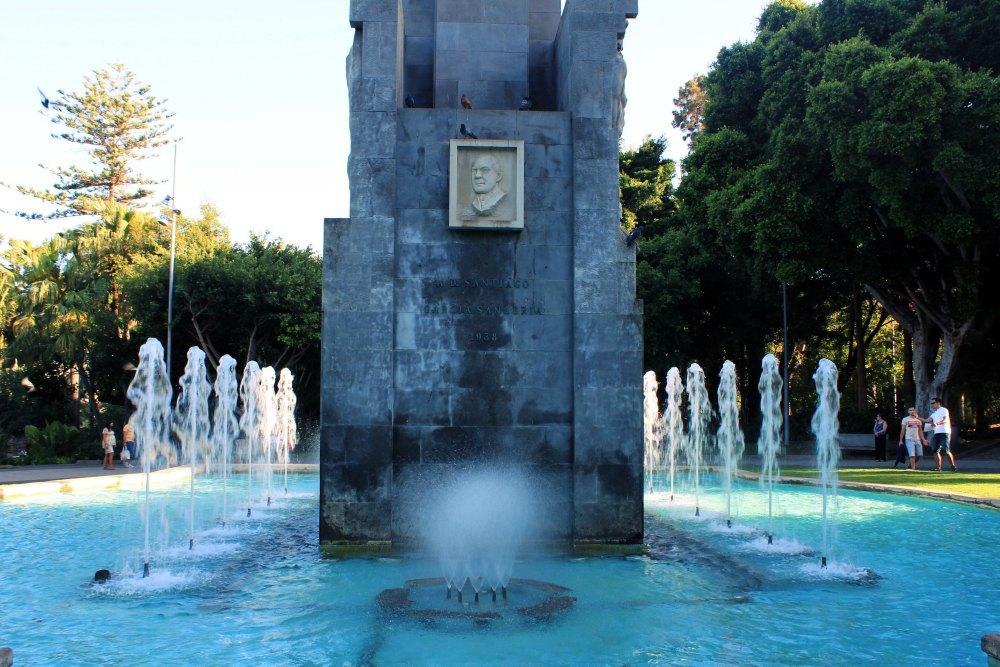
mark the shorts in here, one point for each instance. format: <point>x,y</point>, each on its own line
<point>130,446</point>
<point>941,443</point>
<point>913,447</point>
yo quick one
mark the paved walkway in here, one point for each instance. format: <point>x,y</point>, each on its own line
<point>47,473</point>
<point>975,464</point>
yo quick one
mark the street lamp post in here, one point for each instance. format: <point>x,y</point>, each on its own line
<point>784,354</point>
<point>173,256</point>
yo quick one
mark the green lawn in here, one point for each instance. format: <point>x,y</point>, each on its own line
<point>985,484</point>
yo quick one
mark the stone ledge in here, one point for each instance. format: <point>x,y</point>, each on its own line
<point>978,501</point>
<point>991,647</point>
<point>371,549</point>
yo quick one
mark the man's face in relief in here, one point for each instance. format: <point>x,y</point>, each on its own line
<point>486,175</point>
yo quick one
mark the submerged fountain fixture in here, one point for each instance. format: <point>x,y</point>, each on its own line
<point>673,421</point>
<point>225,427</point>
<point>285,427</point>
<point>699,415</point>
<point>825,427</point>
<point>730,436</point>
<point>652,427</point>
<point>150,393</point>
<point>250,422</point>
<point>770,387</point>
<point>192,423</point>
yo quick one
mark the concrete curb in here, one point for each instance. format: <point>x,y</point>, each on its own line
<point>978,501</point>
<point>130,481</point>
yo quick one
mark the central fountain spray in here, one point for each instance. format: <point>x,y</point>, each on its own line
<point>287,431</point>
<point>150,393</point>
<point>191,420</point>
<point>699,415</point>
<point>730,436</point>
<point>225,427</point>
<point>267,422</point>
<point>652,426</point>
<point>249,421</point>
<point>673,421</point>
<point>770,386</point>
<point>825,426</point>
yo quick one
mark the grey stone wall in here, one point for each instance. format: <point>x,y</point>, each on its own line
<point>358,322</point>
<point>484,319</point>
<point>607,323</point>
<point>481,50</point>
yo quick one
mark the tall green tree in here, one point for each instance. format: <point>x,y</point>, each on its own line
<point>646,180</point>
<point>855,158</point>
<point>119,122</point>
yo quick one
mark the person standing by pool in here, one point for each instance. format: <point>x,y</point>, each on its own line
<point>911,431</point>
<point>941,444</point>
<point>128,435</point>
<point>108,443</point>
<point>881,431</point>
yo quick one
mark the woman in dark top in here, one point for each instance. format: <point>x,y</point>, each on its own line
<point>881,431</point>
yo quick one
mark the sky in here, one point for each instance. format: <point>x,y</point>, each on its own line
<point>258,89</point>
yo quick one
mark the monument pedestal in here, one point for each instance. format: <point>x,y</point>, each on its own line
<point>479,304</point>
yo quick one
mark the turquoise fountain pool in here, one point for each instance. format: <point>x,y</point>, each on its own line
<point>911,582</point>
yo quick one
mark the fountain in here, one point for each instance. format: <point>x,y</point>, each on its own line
<point>825,427</point>
<point>225,427</point>
<point>150,393</point>
<point>286,429</point>
<point>266,423</point>
<point>191,420</point>
<point>673,421</point>
<point>730,436</point>
<point>249,421</point>
<point>699,415</point>
<point>652,426</point>
<point>770,386</point>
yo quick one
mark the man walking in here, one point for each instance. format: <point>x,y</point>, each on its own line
<point>911,431</point>
<point>941,444</point>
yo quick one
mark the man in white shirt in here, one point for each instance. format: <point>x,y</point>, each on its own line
<point>941,442</point>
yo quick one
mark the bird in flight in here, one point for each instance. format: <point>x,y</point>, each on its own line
<point>466,102</point>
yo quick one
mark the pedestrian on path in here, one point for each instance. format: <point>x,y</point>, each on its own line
<point>941,444</point>
<point>108,443</point>
<point>911,432</point>
<point>881,432</point>
<point>128,435</point>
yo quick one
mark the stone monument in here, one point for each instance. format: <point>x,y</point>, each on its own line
<point>479,303</point>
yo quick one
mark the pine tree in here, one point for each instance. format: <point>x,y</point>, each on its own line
<point>120,122</point>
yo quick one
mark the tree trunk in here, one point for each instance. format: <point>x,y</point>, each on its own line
<point>91,394</point>
<point>860,375</point>
<point>933,380</point>
<point>909,388</point>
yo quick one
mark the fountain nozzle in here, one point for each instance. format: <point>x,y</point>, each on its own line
<point>822,561</point>
<point>191,544</point>
<point>770,538</point>
<point>494,595</point>
<point>248,512</point>
<point>729,523</point>
<point>269,501</point>
<point>448,595</point>
<point>460,596</point>
<point>503,592</point>
<point>145,570</point>
<point>697,511</point>
<point>476,599</point>
<point>671,497</point>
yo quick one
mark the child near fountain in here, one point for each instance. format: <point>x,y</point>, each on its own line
<point>128,435</point>
<point>911,431</point>
<point>108,442</point>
